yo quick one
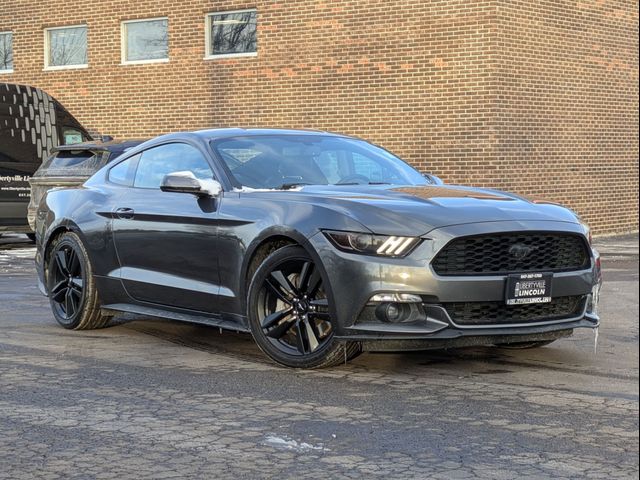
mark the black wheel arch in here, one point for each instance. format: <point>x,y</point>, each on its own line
<point>267,242</point>
<point>53,234</point>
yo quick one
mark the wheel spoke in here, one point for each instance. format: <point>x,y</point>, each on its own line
<point>301,339</point>
<point>320,302</point>
<point>279,331</point>
<point>68,304</point>
<point>77,283</point>
<point>77,294</point>
<point>276,290</point>
<point>61,262</point>
<point>321,315</point>
<point>311,336</point>
<point>315,281</point>
<point>284,283</point>
<point>60,285</point>
<point>275,317</point>
<point>73,263</point>
<point>59,292</point>
<point>305,273</point>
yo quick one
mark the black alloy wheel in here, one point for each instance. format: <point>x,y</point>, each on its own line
<point>70,285</point>
<point>66,283</point>
<point>290,312</point>
<point>294,309</point>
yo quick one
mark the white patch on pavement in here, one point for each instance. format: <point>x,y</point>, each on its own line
<point>18,253</point>
<point>288,444</point>
<point>16,259</point>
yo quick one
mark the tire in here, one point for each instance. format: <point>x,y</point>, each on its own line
<point>291,313</point>
<point>70,285</point>
<point>524,345</point>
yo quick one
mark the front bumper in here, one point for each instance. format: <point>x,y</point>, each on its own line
<point>368,276</point>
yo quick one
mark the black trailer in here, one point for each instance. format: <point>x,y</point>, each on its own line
<point>32,123</point>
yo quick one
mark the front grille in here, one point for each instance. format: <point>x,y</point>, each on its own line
<point>498,313</point>
<point>497,254</point>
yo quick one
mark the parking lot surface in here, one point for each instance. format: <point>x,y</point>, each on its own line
<point>158,399</point>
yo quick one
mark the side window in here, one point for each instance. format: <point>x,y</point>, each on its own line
<point>367,167</point>
<point>124,172</point>
<point>158,162</point>
<point>329,163</point>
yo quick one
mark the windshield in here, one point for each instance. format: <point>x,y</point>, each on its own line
<point>286,161</point>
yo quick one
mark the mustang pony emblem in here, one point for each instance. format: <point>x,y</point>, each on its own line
<point>520,251</point>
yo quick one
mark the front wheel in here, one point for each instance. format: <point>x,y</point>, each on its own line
<point>70,285</point>
<point>290,312</point>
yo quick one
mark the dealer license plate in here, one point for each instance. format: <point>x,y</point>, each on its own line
<point>525,288</point>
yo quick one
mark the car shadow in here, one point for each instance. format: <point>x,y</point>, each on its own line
<point>459,362</point>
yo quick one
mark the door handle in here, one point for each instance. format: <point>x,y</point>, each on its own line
<point>125,213</point>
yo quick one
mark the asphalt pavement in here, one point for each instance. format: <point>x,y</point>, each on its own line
<point>153,399</point>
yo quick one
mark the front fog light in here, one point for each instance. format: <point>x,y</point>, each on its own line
<point>397,307</point>
<point>393,312</point>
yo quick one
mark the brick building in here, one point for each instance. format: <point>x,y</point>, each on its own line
<point>537,97</point>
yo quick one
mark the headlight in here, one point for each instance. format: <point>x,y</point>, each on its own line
<point>367,244</point>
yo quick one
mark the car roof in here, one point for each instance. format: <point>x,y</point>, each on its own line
<point>249,132</point>
<point>136,146</point>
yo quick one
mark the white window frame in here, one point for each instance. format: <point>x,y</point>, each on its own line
<point>7,70</point>
<point>208,19</point>
<point>123,42</point>
<point>47,49</point>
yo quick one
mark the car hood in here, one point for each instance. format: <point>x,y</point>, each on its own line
<point>418,210</point>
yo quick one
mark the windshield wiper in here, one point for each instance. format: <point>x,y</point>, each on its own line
<point>289,186</point>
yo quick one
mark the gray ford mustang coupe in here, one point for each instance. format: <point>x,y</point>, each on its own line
<point>320,245</point>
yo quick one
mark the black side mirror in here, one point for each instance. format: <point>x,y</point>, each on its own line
<point>186,182</point>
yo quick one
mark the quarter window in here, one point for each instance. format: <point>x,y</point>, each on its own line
<point>160,161</point>
<point>124,172</point>
<point>6,52</point>
<point>232,33</point>
<point>145,41</point>
<point>66,47</point>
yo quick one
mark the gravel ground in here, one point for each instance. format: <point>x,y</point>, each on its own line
<point>157,399</point>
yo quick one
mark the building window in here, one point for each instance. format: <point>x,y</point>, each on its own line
<point>6,52</point>
<point>145,41</point>
<point>232,34</point>
<point>66,47</point>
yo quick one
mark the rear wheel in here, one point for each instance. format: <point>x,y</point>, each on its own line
<point>72,292</point>
<point>290,312</point>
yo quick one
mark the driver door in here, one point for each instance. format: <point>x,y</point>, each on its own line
<point>166,241</point>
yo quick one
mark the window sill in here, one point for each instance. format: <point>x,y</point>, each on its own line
<point>144,62</point>
<point>65,67</point>
<point>223,56</point>
<point>6,72</point>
